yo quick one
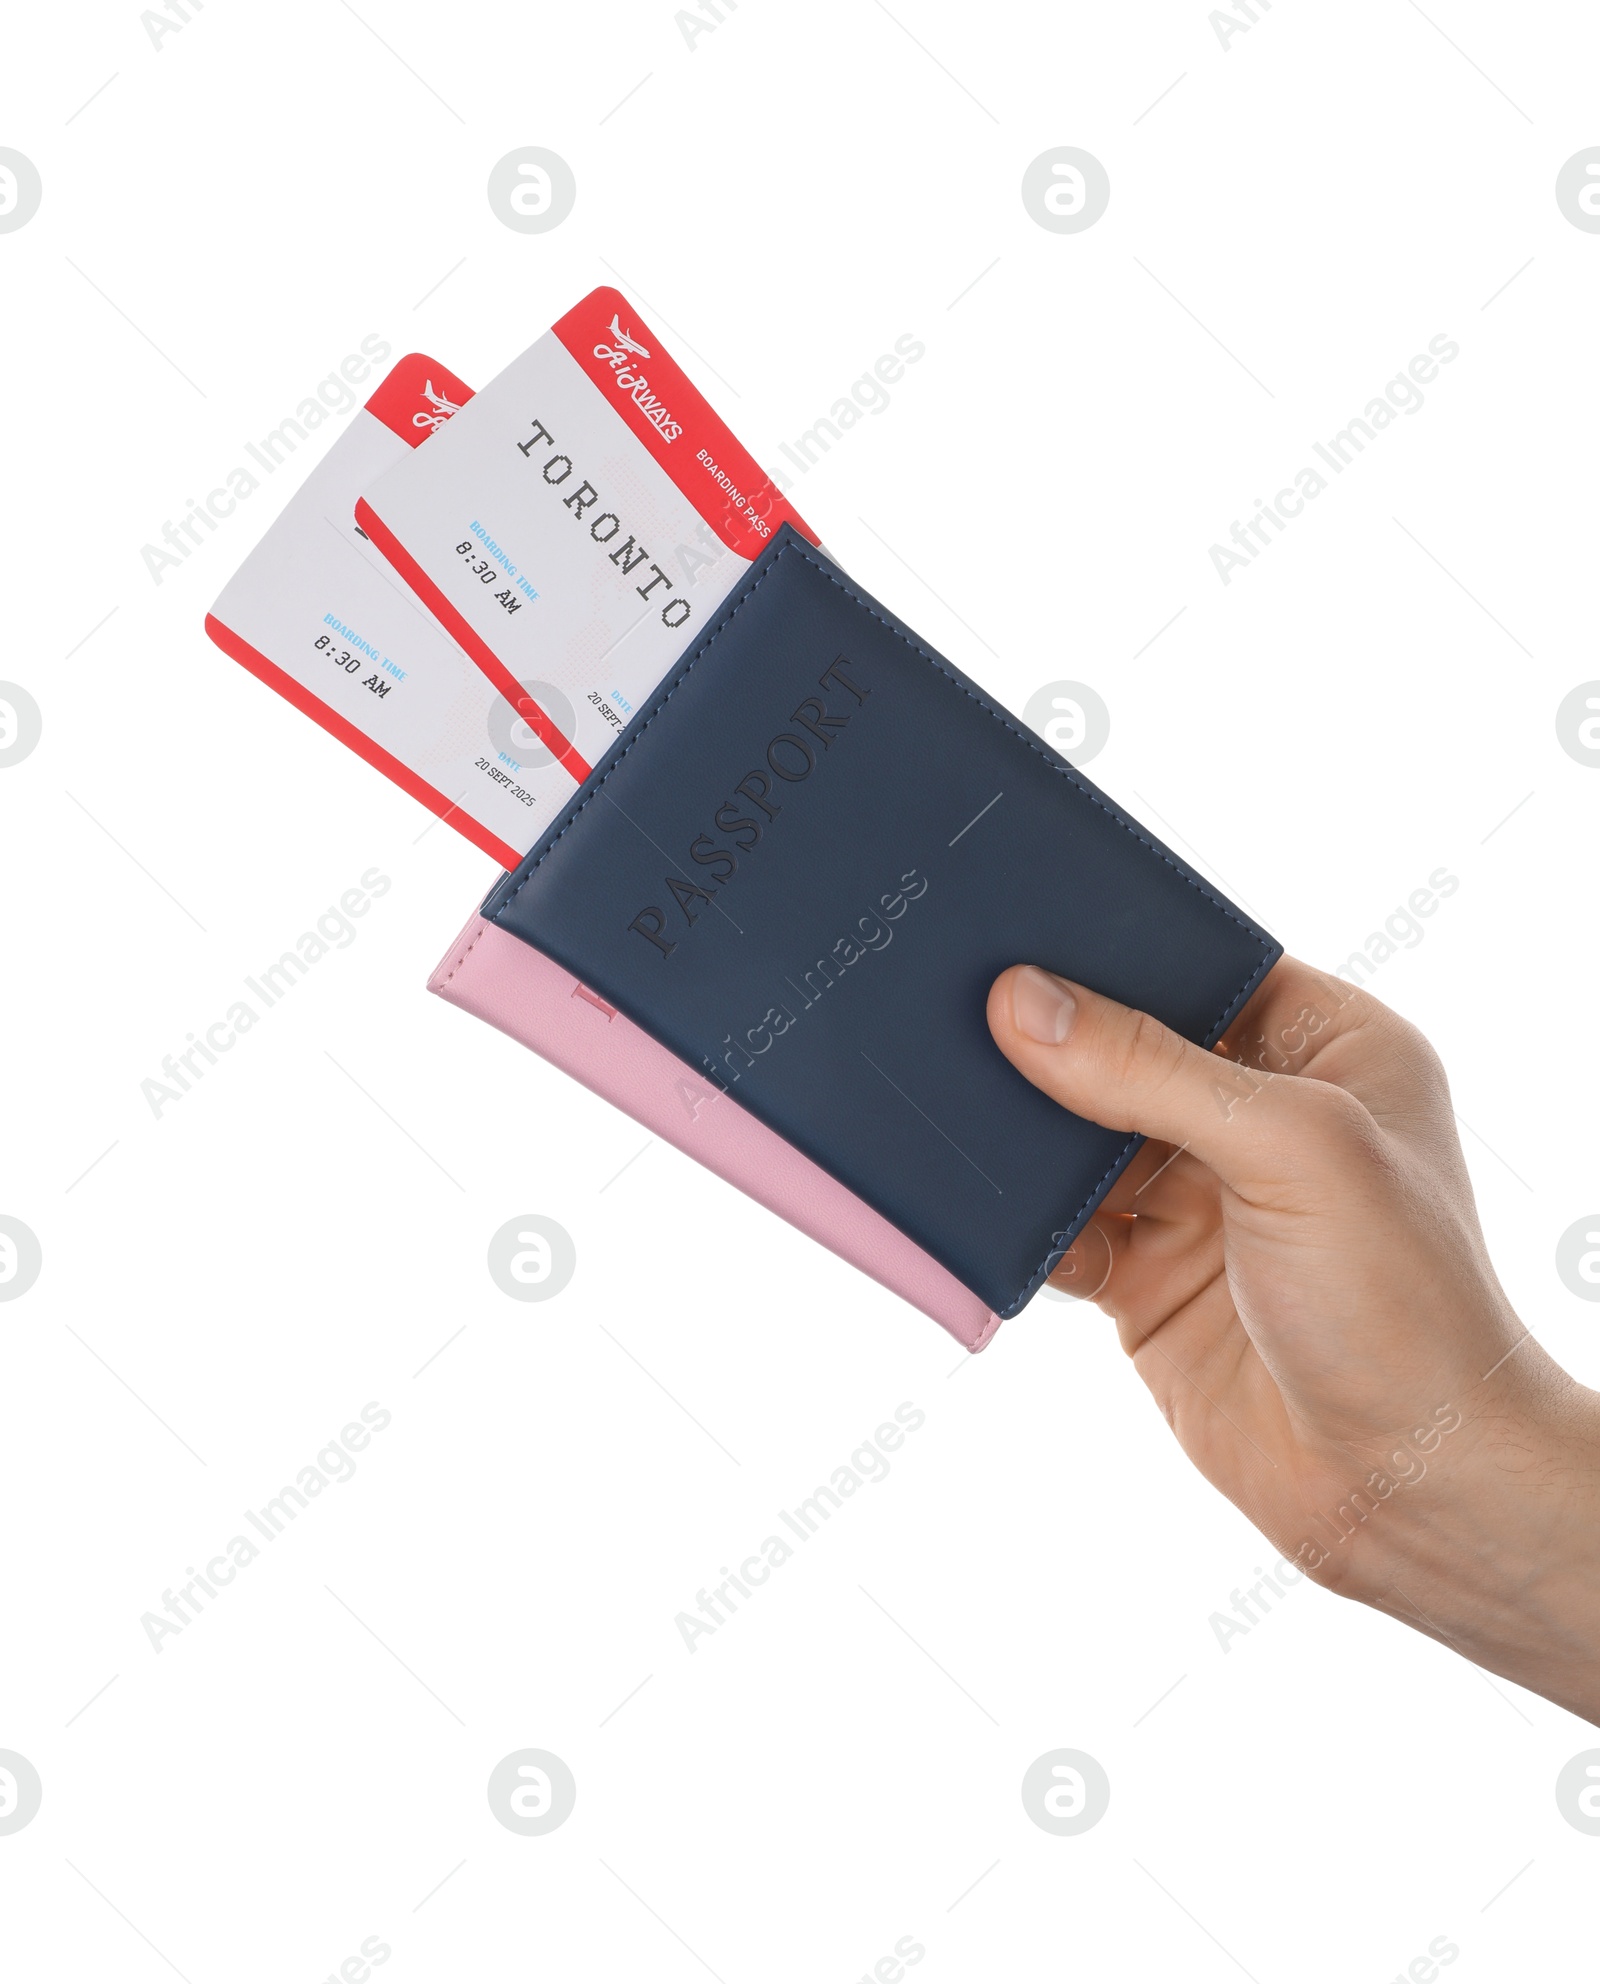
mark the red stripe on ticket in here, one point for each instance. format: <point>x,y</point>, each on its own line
<point>623,357</point>
<point>417,396</point>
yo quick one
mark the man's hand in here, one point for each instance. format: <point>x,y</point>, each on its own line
<point>1295,1265</point>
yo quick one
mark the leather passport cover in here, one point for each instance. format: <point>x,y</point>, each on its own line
<point>515,988</point>
<point>801,867</point>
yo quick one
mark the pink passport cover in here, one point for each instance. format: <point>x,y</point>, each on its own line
<point>517,989</point>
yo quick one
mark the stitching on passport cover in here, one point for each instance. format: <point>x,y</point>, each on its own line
<point>467,953</point>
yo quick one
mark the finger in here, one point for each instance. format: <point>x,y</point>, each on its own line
<point>1309,1023</point>
<point>1165,1186</point>
<point>1127,1071</point>
<point>1295,1009</point>
<point>1146,1274</point>
<point>1086,1270</point>
<point>1146,1161</point>
<point>1169,1277</point>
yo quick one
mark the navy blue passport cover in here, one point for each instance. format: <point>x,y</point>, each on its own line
<point>801,867</point>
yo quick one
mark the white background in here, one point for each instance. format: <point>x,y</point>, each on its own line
<point>226,1286</point>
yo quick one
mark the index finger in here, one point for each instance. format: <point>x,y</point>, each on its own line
<point>1321,1027</point>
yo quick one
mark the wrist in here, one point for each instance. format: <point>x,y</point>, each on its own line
<point>1493,1550</point>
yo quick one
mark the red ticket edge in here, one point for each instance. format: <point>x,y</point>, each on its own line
<point>416,395</point>
<point>240,650</point>
<point>654,398</point>
<point>460,631</point>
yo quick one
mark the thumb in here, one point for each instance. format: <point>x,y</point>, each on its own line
<point>1126,1071</point>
